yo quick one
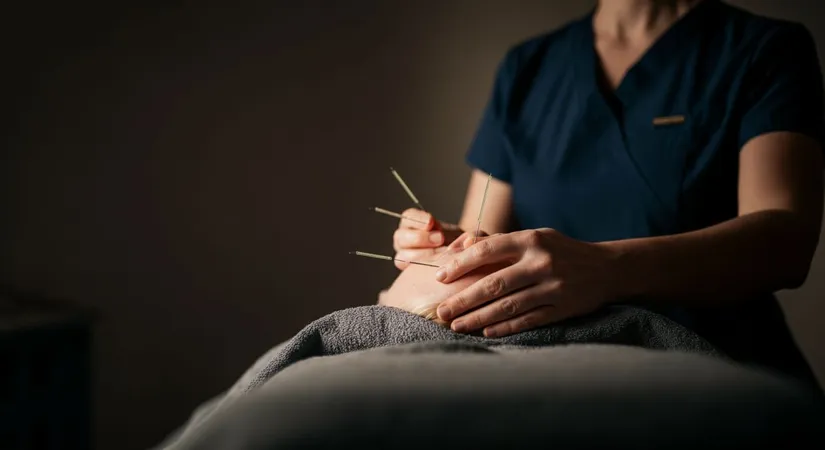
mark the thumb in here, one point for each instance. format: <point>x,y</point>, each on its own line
<point>471,239</point>
<point>458,243</point>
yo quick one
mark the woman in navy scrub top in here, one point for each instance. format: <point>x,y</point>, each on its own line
<point>660,153</point>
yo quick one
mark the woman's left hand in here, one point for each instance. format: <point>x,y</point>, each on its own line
<point>549,277</point>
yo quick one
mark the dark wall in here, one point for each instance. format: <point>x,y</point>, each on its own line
<point>197,173</point>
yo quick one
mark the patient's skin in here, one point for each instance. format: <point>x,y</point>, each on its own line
<point>415,289</point>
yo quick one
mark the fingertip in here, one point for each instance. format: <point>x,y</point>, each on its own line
<point>400,265</point>
<point>468,242</point>
<point>458,243</point>
<point>444,312</point>
<point>490,332</point>
<point>417,219</point>
<point>432,223</point>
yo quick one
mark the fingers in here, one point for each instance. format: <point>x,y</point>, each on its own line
<point>471,239</point>
<point>424,254</point>
<point>504,308</point>
<point>539,317</point>
<point>405,238</point>
<point>463,240</point>
<point>485,290</point>
<point>450,238</point>
<point>419,230</point>
<point>421,220</point>
<point>491,250</point>
<point>412,234</point>
<point>458,242</point>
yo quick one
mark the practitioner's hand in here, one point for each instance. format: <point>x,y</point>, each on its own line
<point>548,277</point>
<point>414,241</point>
<point>465,240</point>
<point>416,291</point>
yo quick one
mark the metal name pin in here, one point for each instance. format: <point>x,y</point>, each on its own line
<point>668,120</point>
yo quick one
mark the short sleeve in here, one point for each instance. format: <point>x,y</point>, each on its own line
<point>489,150</point>
<point>784,91</point>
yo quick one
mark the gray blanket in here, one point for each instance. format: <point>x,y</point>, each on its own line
<point>366,327</point>
<point>371,327</point>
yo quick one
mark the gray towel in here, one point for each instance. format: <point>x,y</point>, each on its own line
<point>367,327</point>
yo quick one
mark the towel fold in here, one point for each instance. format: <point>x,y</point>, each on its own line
<point>367,327</point>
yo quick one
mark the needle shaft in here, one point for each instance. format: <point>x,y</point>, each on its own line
<point>481,209</point>
<point>390,258</point>
<point>395,214</point>
<point>406,189</point>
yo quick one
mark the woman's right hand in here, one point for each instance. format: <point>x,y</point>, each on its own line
<point>422,241</point>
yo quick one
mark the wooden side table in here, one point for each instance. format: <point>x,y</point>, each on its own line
<point>45,375</point>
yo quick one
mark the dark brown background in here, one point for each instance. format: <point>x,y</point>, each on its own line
<point>197,173</point>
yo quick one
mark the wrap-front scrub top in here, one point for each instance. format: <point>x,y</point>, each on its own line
<point>659,154</point>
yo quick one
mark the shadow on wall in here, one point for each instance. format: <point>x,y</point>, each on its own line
<point>197,175</point>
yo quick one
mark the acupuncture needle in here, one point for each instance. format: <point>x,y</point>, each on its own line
<point>395,214</point>
<point>481,209</point>
<point>407,189</point>
<point>390,258</point>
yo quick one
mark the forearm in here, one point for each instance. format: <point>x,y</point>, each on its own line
<point>755,253</point>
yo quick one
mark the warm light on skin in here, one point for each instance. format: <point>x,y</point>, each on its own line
<point>416,290</point>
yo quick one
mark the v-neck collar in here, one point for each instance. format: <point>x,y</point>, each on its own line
<point>664,48</point>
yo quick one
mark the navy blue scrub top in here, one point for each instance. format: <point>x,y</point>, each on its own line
<point>660,153</point>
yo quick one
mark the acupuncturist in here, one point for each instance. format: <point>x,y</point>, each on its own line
<point>666,154</point>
